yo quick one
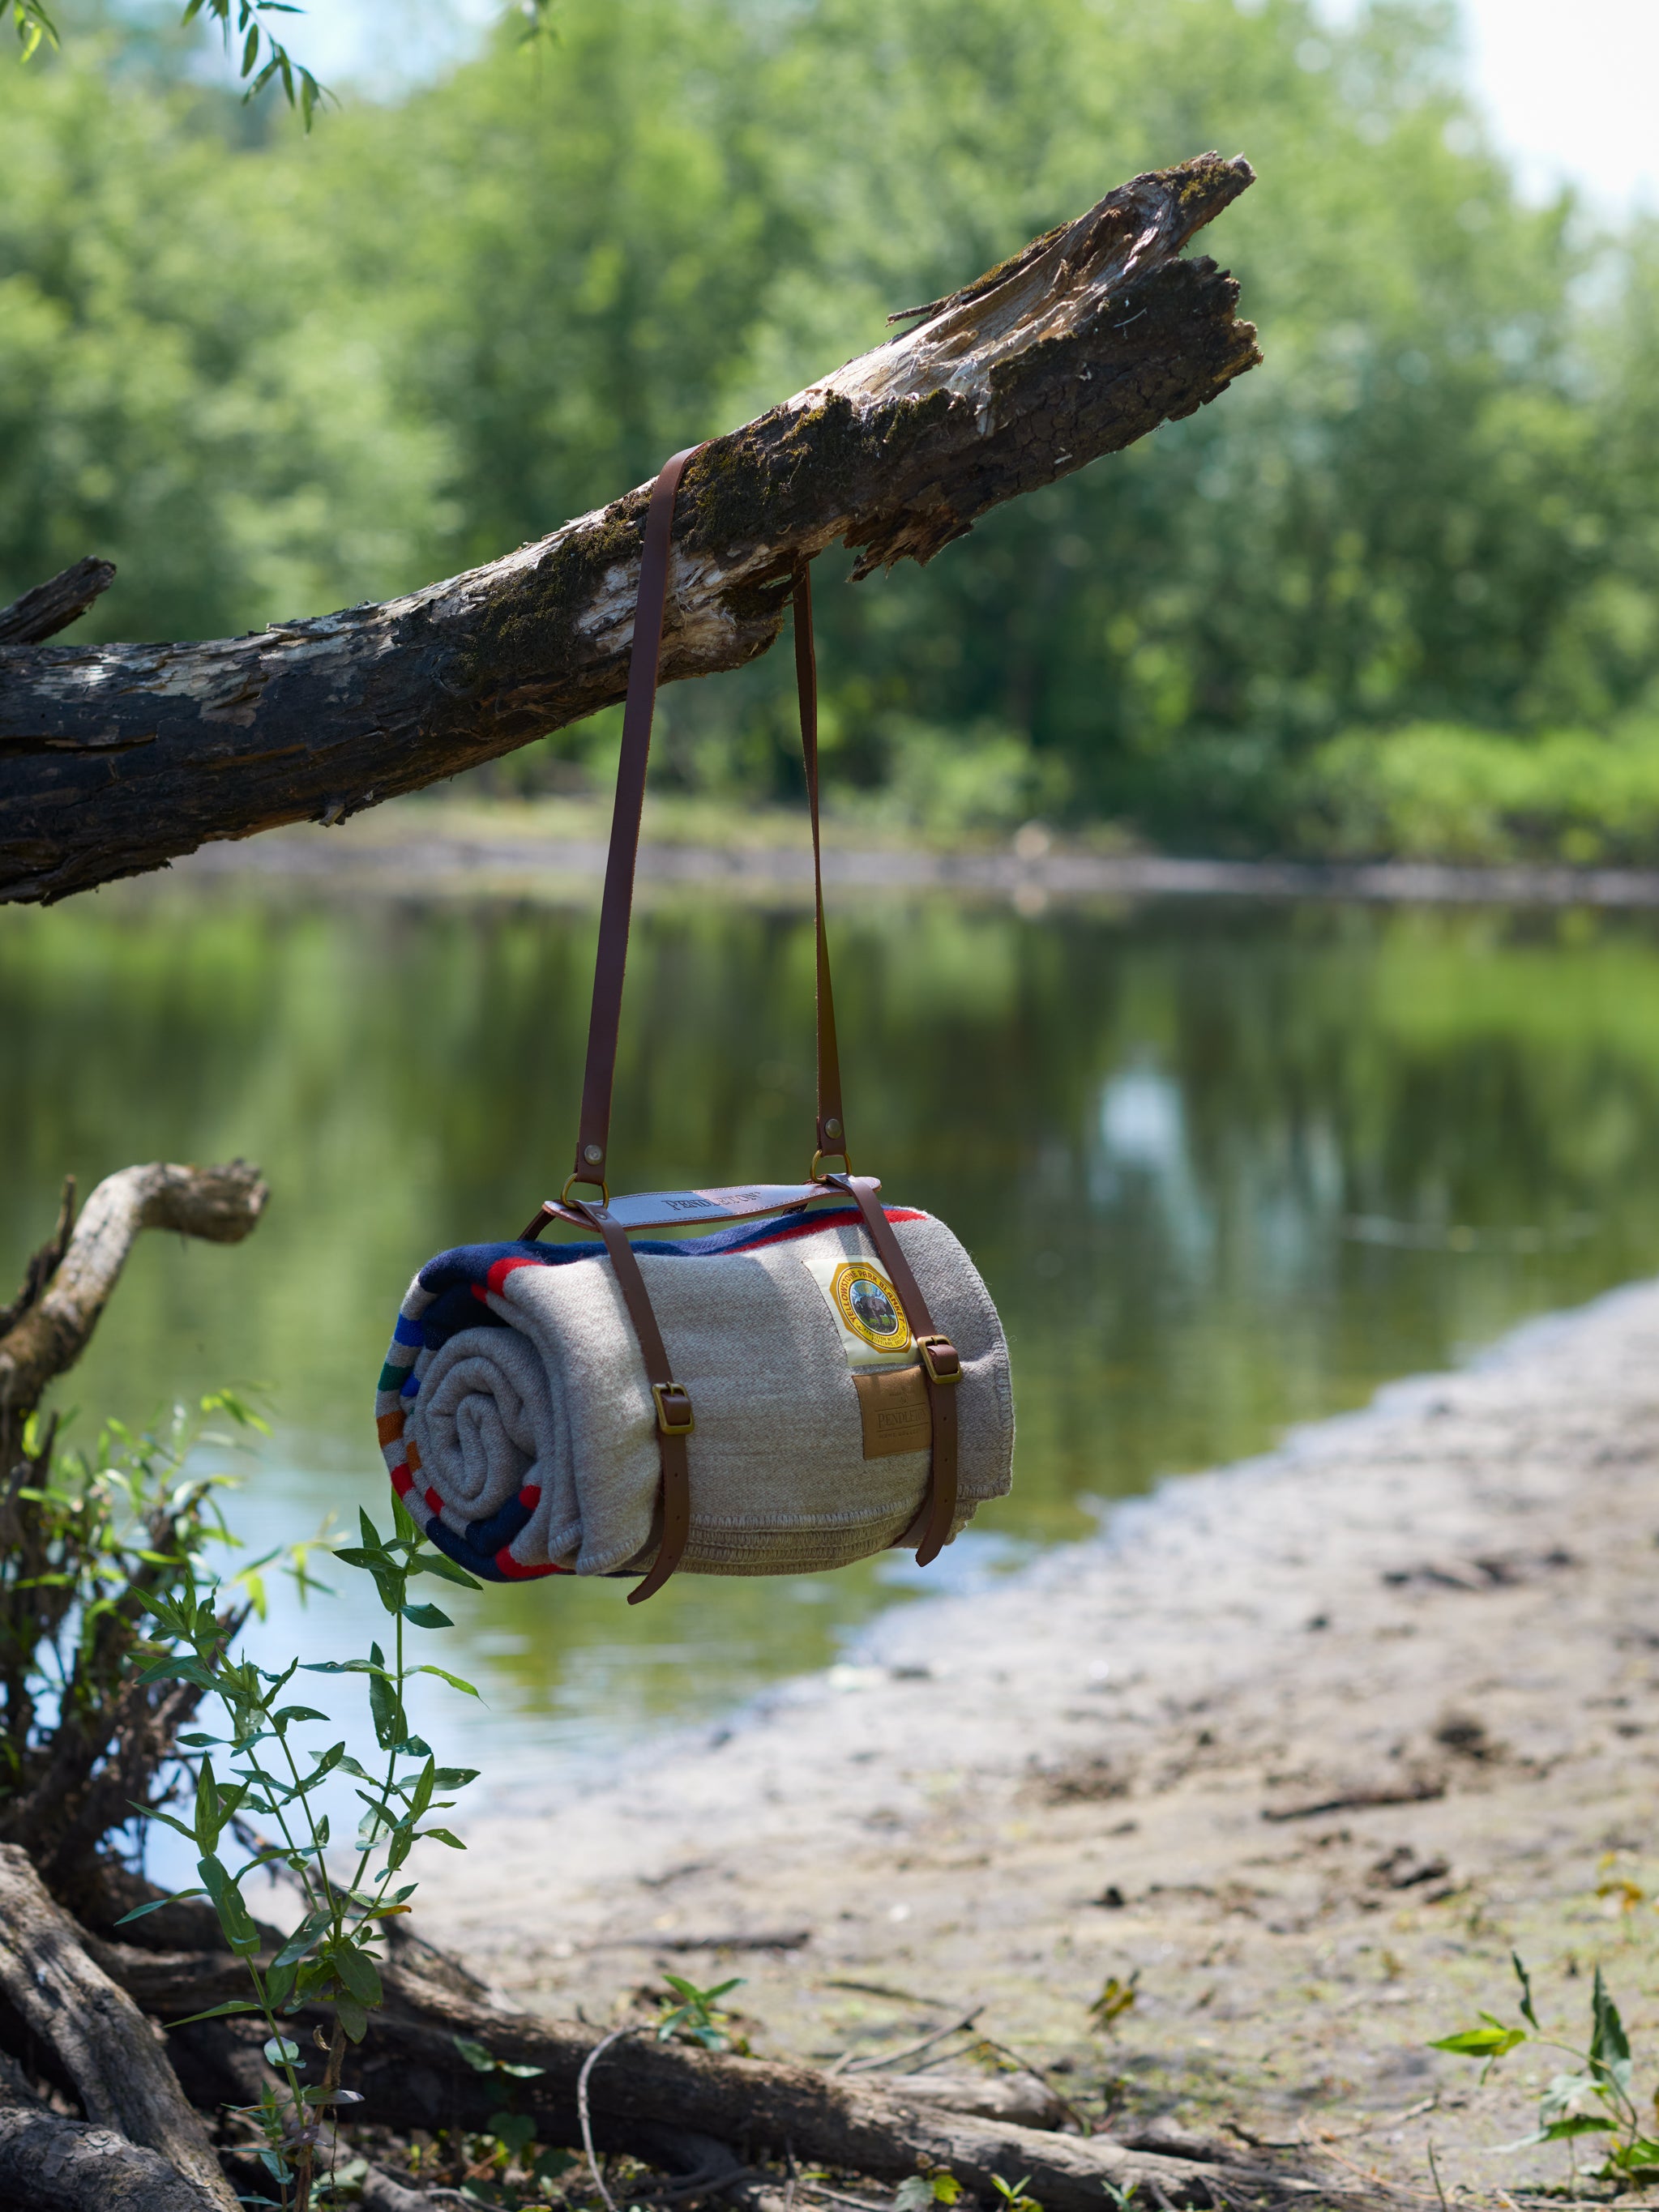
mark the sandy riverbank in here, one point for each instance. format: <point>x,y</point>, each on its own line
<point>1307,1743</point>
<point>555,850</point>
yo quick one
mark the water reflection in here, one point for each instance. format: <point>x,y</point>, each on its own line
<point>1224,1169</point>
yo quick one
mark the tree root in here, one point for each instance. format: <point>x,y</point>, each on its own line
<point>648,2099</point>
<point>51,2164</point>
<point>97,2038</point>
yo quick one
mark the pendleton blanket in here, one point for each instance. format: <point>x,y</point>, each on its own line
<point>520,1430</point>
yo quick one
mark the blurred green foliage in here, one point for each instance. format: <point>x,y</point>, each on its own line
<point>268,374</point>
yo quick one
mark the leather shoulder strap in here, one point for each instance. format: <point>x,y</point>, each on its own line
<point>593,1160</point>
<point>831,1124</point>
<point>616,911</point>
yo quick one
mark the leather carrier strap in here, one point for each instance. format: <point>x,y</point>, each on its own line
<point>592,1158</point>
<point>940,1365</point>
<point>675,1420</point>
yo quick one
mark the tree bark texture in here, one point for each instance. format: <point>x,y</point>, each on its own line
<point>57,1318</point>
<point>115,758</point>
<point>97,2035</point>
<point>51,2164</point>
<point>642,2094</point>
<point>55,604</point>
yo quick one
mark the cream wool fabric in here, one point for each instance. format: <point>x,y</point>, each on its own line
<point>558,1402</point>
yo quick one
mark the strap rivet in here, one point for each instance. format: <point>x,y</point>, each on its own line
<point>593,1154</point>
<point>832,1128</point>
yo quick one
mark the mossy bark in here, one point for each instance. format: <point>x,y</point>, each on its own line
<point>114,759</point>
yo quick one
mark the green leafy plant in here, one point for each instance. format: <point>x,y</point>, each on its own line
<point>260,56</point>
<point>1116,1997</point>
<point>327,1959</point>
<point>87,1537</point>
<point>697,2017</point>
<point>1593,2098</point>
<point>1012,2194</point>
<point>33,24</point>
<point>246,24</point>
<point>920,2192</point>
<point>510,2135</point>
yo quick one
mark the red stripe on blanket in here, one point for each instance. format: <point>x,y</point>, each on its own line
<point>531,1497</point>
<point>402,1481</point>
<point>507,1565</point>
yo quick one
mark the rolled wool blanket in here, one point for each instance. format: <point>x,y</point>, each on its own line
<point>520,1430</point>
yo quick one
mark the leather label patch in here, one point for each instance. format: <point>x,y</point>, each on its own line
<point>893,1405</point>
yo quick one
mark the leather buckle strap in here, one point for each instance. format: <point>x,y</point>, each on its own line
<point>674,1415</point>
<point>675,1419</point>
<point>940,1365</point>
<point>938,1357</point>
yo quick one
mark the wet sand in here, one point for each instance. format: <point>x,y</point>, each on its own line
<point>1305,1745</point>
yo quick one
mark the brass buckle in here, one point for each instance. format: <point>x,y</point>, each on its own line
<point>940,1358</point>
<point>662,1392</point>
<point>604,1188</point>
<point>818,1159</point>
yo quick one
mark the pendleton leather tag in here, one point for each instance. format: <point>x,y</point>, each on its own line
<point>893,1406</point>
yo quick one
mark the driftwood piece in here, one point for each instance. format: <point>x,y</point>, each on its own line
<point>98,2035</point>
<point>53,605</point>
<point>115,758</point>
<point>220,1204</point>
<point>51,2164</point>
<point>642,2093</point>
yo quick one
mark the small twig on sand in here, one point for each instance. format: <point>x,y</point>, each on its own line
<point>1434,2169</point>
<point>1029,2066</point>
<point>582,2080</point>
<point>847,2063</point>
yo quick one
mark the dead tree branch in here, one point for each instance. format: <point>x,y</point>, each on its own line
<point>69,1778</point>
<point>97,2035</point>
<point>51,1331</point>
<point>53,605</point>
<point>113,759</point>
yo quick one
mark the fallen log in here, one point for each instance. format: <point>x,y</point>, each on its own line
<point>115,758</point>
<point>97,2035</point>
<point>643,2094</point>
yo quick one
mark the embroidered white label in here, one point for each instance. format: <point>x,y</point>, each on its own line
<point>873,1330</point>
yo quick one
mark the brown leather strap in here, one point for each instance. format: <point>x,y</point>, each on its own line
<point>832,1125</point>
<point>672,1402</point>
<point>591,1163</point>
<point>940,1364</point>
<point>593,1137</point>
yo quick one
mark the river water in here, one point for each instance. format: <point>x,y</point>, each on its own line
<point>1225,1169</point>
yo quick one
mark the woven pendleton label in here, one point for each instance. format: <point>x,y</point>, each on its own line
<point>893,1407</point>
<point>870,1321</point>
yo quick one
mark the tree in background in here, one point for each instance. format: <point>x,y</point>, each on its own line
<point>268,374</point>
